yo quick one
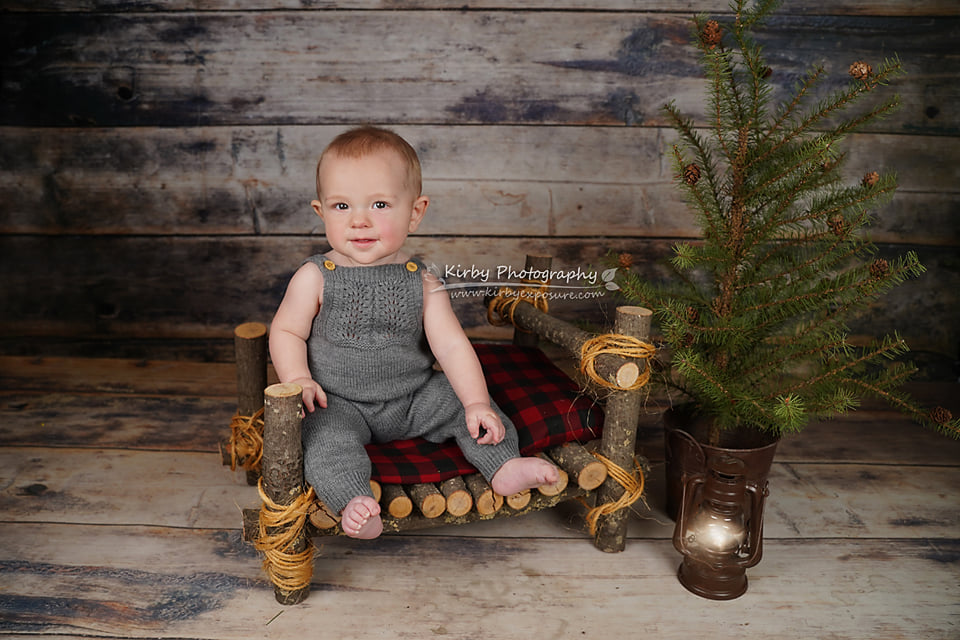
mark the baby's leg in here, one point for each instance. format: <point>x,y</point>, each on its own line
<point>335,461</point>
<point>518,474</point>
<point>361,518</point>
<point>439,414</point>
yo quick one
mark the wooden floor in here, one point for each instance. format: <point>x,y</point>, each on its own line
<point>117,520</point>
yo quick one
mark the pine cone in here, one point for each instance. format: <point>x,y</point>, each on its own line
<point>880,269</point>
<point>860,70</point>
<point>940,415</point>
<point>871,179</point>
<point>838,225</point>
<point>691,174</point>
<point>625,260</point>
<point>711,34</point>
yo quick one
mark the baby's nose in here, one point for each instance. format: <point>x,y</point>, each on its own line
<point>359,219</point>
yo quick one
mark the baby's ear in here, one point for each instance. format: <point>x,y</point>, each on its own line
<point>419,209</point>
<point>317,208</point>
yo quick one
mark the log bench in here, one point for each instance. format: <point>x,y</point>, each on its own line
<point>291,515</point>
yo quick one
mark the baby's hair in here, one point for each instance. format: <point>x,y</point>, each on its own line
<point>364,140</point>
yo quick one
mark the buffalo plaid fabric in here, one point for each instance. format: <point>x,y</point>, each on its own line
<point>543,402</point>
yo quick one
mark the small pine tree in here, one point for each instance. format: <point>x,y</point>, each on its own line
<point>757,317</point>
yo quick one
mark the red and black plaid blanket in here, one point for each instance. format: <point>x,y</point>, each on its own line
<point>546,406</point>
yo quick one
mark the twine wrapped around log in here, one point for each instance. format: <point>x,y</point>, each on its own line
<point>632,484</point>
<point>619,345</point>
<point>246,441</point>
<point>280,527</point>
<point>501,307</point>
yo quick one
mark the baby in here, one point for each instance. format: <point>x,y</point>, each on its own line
<point>360,327</point>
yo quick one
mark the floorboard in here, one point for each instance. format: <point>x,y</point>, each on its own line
<point>117,520</point>
<point>173,583</point>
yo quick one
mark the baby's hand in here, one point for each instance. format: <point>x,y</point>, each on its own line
<point>482,415</point>
<point>312,394</point>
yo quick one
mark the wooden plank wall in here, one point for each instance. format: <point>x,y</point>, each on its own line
<point>156,158</point>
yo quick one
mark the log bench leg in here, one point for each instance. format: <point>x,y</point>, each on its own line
<point>620,437</point>
<point>250,347</point>
<point>282,481</point>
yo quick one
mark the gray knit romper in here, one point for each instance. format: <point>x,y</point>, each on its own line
<point>369,353</point>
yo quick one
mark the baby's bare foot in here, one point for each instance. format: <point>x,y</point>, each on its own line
<point>361,518</point>
<point>518,474</point>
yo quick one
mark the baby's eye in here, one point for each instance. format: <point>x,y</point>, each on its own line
<point>380,204</point>
<point>341,206</point>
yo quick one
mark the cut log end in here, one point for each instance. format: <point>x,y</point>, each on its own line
<point>486,500</point>
<point>396,501</point>
<point>557,487</point>
<point>283,390</point>
<point>459,503</point>
<point>428,500</point>
<point>250,330</point>
<point>562,480</point>
<point>433,506</point>
<point>459,499</point>
<point>518,501</point>
<point>322,517</point>
<point>643,312</point>
<point>627,375</point>
<point>573,458</point>
<point>592,476</point>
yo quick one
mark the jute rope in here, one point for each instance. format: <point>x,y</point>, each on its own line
<point>501,307</point>
<point>280,527</point>
<point>632,484</point>
<point>619,345</point>
<point>246,441</point>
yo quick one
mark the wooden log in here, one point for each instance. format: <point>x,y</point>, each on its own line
<point>283,463</point>
<point>324,518</point>
<point>620,371</point>
<point>321,516</point>
<point>396,501</point>
<point>518,501</point>
<point>588,472</point>
<point>620,435</point>
<point>377,490</point>
<point>250,347</point>
<point>428,499</point>
<point>250,344</point>
<point>459,500</point>
<point>251,525</point>
<point>533,263</point>
<point>485,498</point>
<point>537,502</point>
<point>557,487</point>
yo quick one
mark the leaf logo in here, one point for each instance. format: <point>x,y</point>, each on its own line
<point>607,277</point>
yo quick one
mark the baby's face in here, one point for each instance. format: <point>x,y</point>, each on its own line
<point>368,207</point>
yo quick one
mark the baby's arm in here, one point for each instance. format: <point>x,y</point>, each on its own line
<point>456,356</point>
<point>290,329</point>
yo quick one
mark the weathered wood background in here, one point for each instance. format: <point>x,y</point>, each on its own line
<point>156,158</point>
